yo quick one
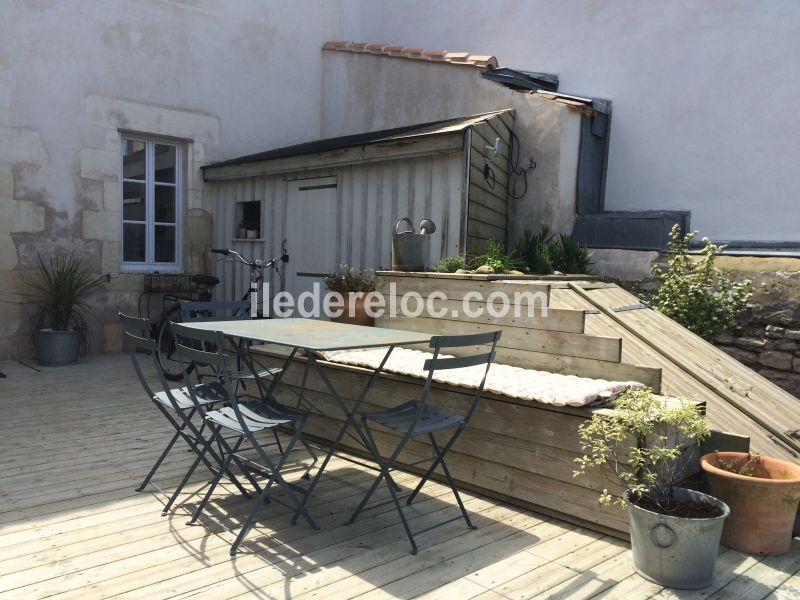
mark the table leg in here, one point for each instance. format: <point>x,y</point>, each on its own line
<point>349,418</point>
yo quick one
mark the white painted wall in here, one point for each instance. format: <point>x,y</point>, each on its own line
<point>704,92</point>
<point>365,92</point>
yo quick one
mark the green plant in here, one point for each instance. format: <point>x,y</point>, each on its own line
<point>534,250</point>
<point>450,264</point>
<point>569,256</point>
<point>746,467</point>
<point>640,446</point>
<point>346,279</point>
<point>694,292</point>
<point>545,252</point>
<point>60,290</point>
<point>497,258</point>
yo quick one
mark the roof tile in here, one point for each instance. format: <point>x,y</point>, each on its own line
<point>482,61</point>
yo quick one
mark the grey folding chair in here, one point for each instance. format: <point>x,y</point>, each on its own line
<point>241,421</point>
<point>241,373</point>
<point>194,311</point>
<point>418,417</point>
<point>174,404</point>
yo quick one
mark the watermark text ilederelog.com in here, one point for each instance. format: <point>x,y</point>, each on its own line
<point>473,304</point>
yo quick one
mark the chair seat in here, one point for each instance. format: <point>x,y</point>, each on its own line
<point>399,418</point>
<point>207,393</point>
<point>255,422</point>
<point>261,372</point>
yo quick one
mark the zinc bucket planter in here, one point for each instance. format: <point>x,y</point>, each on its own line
<point>676,552</point>
<point>763,505</point>
<point>56,348</point>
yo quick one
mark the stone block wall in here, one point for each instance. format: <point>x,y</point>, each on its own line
<point>36,218</point>
<point>768,339</point>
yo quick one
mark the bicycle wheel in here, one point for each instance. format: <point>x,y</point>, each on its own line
<point>171,364</point>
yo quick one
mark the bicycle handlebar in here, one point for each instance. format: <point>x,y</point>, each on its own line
<point>253,264</point>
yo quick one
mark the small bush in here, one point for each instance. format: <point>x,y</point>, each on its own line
<point>534,249</point>
<point>694,292</point>
<point>346,279</point>
<point>497,258</point>
<point>450,264</point>
<point>569,256</point>
<point>545,252</point>
<point>638,446</point>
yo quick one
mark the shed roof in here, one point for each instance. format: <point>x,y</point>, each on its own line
<point>384,136</point>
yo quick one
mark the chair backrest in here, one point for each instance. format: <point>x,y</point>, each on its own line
<point>140,343</point>
<point>192,310</point>
<point>205,347</point>
<point>442,342</point>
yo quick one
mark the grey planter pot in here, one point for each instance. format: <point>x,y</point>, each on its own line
<point>676,552</point>
<point>56,348</point>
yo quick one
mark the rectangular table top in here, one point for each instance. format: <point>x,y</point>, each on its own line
<point>314,335</point>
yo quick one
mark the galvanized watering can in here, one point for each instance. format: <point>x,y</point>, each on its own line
<point>409,248</point>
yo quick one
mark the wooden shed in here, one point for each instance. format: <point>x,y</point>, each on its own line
<point>336,200</point>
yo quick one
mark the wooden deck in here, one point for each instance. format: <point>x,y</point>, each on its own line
<point>77,440</point>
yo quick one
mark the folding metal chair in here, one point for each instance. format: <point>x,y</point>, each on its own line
<point>241,374</point>
<point>241,421</point>
<point>194,311</point>
<point>174,404</point>
<point>417,417</point>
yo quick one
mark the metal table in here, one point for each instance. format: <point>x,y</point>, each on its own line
<point>314,336</point>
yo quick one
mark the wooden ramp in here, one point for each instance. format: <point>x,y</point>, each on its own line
<point>738,399</point>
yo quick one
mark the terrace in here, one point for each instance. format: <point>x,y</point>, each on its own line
<point>78,440</point>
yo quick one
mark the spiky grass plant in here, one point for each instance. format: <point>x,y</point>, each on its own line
<point>60,290</point>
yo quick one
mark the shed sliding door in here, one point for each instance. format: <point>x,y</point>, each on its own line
<point>311,225</point>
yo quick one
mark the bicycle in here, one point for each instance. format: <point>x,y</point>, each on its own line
<point>168,359</point>
<point>175,288</point>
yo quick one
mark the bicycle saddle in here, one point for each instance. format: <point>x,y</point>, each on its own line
<point>201,279</point>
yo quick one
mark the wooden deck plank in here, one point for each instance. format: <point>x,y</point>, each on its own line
<point>71,525</point>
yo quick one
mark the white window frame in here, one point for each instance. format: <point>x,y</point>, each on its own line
<point>150,264</point>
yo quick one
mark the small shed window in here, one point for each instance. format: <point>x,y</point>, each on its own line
<point>151,204</point>
<point>248,219</point>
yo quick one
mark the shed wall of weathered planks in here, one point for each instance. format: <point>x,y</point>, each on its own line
<point>370,199</point>
<point>488,208</point>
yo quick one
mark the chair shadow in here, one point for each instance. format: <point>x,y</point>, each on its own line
<point>297,552</point>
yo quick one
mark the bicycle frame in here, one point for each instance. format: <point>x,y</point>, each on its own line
<point>257,268</point>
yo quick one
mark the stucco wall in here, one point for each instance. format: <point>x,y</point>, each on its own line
<point>367,92</point>
<point>704,92</point>
<point>221,76</point>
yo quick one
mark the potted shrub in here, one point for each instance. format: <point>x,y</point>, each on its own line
<point>645,448</point>
<point>60,290</point>
<point>763,494</point>
<point>353,285</point>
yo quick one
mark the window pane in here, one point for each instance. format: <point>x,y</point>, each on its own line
<point>165,204</point>
<point>133,205</point>
<point>165,243</point>
<point>133,159</point>
<point>165,163</point>
<point>133,242</point>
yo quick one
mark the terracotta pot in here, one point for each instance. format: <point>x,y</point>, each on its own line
<point>360,316</point>
<point>763,506</point>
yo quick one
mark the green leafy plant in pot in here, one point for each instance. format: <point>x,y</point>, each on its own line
<point>353,285</point>
<point>644,449</point>
<point>60,289</point>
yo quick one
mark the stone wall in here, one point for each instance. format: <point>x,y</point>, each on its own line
<point>768,337</point>
<point>218,78</point>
